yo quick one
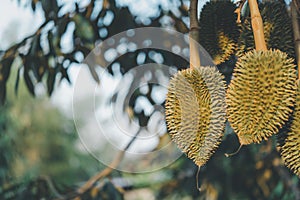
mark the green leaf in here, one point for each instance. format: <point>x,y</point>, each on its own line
<point>51,81</point>
<point>62,25</point>
<point>49,6</point>
<point>35,46</point>
<point>33,6</point>
<point>5,66</point>
<point>38,68</point>
<point>84,29</point>
<point>2,93</point>
<point>64,74</point>
<point>17,81</point>
<point>91,65</point>
<point>28,82</point>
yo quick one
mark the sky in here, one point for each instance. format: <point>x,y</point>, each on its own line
<point>16,21</point>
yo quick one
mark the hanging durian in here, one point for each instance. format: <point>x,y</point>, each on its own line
<point>290,150</point>
<point>195,111</point>
<point>262,89</point>
<point>278,30</point>
<point>219,31</point>
<point>195,104</point>
<point>290,144</point>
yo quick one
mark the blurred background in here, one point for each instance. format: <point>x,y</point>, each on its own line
<point>47,154</point>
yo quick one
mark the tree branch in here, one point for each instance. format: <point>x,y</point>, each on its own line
<point>107,171</point>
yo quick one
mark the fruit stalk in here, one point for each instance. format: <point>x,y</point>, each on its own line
<point>194,34</point>
<point>257,26</point>
<point>296,34</point>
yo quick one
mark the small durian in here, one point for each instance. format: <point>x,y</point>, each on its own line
<point>278,29</point>
<point>219,32</point>
<point>196,111</point>
<point>290,149</point>
<point>261,94</point>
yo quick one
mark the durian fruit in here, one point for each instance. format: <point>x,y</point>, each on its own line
<point>219,32</point>
<point>278,29</point>
<point>260,94</point>
<point>196,111</point>
<point>290,148</point>
<point>289,139</point>
<point>262,88</point>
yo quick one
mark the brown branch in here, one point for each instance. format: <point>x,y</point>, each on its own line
<point>239,10</point>
<point>295,23</point>
<point>108,170</point>
<point>178,23</point>
<point>257,26</point>
<point>194,34</point>
<point>51,186</point>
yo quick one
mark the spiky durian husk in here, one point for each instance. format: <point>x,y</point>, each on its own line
<point>219,31</point>
<point>290,149</point>
<point>260,94</point>
<point>278,29</point>
<point>196,111</point>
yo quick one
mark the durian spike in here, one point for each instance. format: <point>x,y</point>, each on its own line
<point>234,153</point>
<point>194,34</point>
<point>296,33</point>
<point>197,179</point>
<point>257,26</point>
<point>290,148</point>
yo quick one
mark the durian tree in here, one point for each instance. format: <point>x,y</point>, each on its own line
<point>249,95</point>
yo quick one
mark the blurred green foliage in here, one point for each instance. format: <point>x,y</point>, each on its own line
<point>38,142</point>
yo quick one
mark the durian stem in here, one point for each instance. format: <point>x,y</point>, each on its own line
<point>234,153</point>
<point>197,179</point>
<point>296,34</point>
<point>297,6</point>
<point>257,26</point>
<point>194,34</point>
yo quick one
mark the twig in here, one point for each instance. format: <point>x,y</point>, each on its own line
<point>234,153</point>
<point>108,170</point>
<point>51,186</point>
<point>194,34</point>
<point>197,179</point>
<point>239,10</point>
<point>296,33</point>
<point>257,26</point>
<point>178,23</point>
